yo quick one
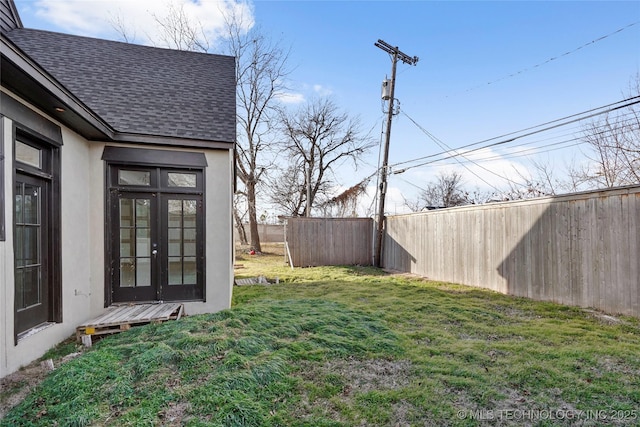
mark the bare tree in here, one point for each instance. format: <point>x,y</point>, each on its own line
<point>181,33</point>
<point>614,143</point>
<point>127,34</point>
<point>287,189</point>
<point>316,138</point>
<point>239,216</point>
<point>446,191</point>
<point>261,73</point>
<point>345,204</point>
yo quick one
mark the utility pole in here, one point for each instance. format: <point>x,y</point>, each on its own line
<point>397,55</point>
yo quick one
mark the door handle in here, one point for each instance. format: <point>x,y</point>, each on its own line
<point>154,252</point>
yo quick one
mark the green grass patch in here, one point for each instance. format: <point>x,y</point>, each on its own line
<point>351,346</point>
<point>231,368</point>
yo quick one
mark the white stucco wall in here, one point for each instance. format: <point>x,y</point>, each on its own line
<point>6,263</point>
<point>83,247</point>
<point>76,253</point>
<point>219,228</point>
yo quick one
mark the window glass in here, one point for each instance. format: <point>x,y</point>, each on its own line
<point>129,177</point>
<point>175,179</point>
<point>127,272</point>
<point>28,155</point>
<point>143,272</point>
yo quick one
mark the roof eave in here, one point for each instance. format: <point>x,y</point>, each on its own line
<point>36,86</point>
<point>173,141</point>
<point>43,82</point>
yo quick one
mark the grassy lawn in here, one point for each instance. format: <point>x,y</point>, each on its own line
<point>353,346</point>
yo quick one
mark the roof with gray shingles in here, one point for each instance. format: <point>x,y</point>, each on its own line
<point>9,18</point>
<point>140,89</point>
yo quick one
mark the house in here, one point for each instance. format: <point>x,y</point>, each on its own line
<point>116,182</point>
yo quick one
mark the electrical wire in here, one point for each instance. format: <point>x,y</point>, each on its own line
<point>524,70</point>
<point>442,145</point>
<point>574,118</point>
<point>533,149</point>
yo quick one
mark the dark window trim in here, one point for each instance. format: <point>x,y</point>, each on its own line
<point>3,235</point>
<point>150,157</point>
<point>54,219</point>
<point>30,122</point>
<point>141,159</point>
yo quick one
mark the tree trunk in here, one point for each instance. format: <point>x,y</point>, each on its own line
<point>242,233</point>
<point>253,217</point>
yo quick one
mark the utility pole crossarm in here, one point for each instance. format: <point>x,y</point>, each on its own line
<point>397,55</point>
<point>395,51</point>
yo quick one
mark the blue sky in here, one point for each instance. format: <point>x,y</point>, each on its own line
<point>459,90</point>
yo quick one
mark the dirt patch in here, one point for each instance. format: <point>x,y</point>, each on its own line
<point>175,414</point>
<point>357,377</point>
<point>16,386</point>
<point>369,375</point>
<point>604,318</point>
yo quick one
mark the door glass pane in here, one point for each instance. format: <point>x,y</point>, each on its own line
<point>143,272</point>
<point>175,179</point>
<point>140,178</point>
<point>30,244</point>
<point>189,213</point>
<point>143,242</point>
<point>126,242</point>
<point>127,272</point>
<point>189,266</point>
<point>31,204</point>
<point>135,242</point>
<point>142,212</point>
<point>19,191</point>
<point>28,155</point>
<point>175,213</point>
<point>175,271</point>
<point>19,287</point>
<point>19,246</point>
<point>126,212</point>
<point>175,242</point>
<point>182,242</point>
<point>190,242</point>
<point>31,286</point>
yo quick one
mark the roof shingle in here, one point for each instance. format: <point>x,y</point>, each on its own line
<point>140,89</point>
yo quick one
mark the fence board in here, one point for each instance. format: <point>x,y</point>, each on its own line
<point>329,241</point>
<point>581,249</point>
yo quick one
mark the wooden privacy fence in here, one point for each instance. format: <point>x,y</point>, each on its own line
<point>328,241</point>
<point>581,249</point>
<point>269,233</point>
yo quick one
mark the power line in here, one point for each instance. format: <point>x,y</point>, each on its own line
<point>441,144</point>
<point>524,70</point>
<point>534,149</point>
<point>574,118</point>
<point>523,153</point>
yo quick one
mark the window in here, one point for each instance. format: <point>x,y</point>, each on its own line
<point>36,232</point>
<point>28,155</point>
<point>133,178</point>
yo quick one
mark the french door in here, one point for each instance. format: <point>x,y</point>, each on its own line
<point>36,233</point>
<point>156,241</point>
<point>31,244</point>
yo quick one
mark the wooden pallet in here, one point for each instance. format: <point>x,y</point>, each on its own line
<point>122,318</point>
